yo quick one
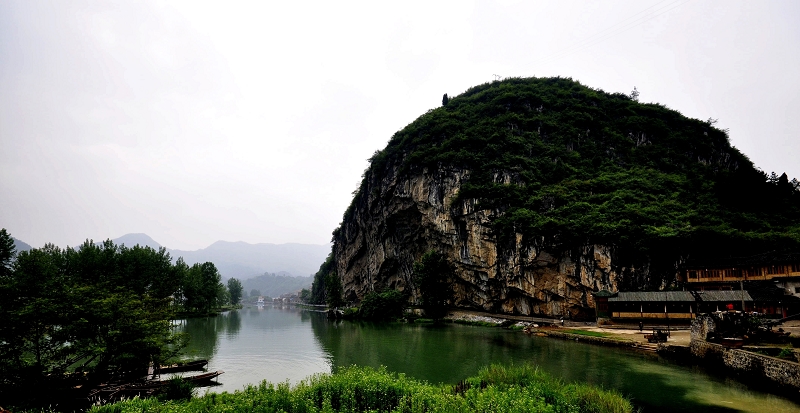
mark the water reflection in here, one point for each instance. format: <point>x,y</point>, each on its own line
<point>287,344</point>
<point>254,344</point>
<point>450,353</point>
<point>232,323</point>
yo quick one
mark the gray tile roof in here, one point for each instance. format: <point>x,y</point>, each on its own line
<point>723,295</point>
<point>654,296</point>
<point>680,296</point>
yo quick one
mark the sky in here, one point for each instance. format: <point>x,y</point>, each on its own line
<point>197,121</point>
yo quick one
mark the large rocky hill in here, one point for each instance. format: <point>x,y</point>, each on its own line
<point>541,191</point>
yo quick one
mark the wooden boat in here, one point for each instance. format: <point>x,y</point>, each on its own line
<point>197,380</point>
<point>114,392</point>
<point>201,378</point>
<point>188,366</point>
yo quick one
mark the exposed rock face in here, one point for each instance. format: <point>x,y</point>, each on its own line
<point>398,218</point>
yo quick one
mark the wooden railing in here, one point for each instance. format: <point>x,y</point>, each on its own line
<point>747,277</point>
<point>622,314</point>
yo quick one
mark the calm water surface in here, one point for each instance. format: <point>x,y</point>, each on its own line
<point>287,344</point>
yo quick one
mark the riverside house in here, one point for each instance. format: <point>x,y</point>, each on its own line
<point>666,306</point>
<point>781,268</point>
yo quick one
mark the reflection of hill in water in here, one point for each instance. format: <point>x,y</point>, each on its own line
<point>204,333</point>
<point>271,318</point>
<point>434,353</point>
<point>279,344</point>
<point>450,353</point>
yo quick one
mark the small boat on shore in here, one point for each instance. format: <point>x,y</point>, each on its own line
<point>198,380</point>
<point>116,392</point>
<point>195,365</point>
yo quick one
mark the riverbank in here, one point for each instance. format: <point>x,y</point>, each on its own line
<point>214,312</point>
<point>363,389</point>
<point>619,336</point>
<point>284,343</point>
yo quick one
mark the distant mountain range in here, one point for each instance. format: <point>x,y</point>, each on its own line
<point>273,285</point>
<point>239,259</point>
<point>20,246</point>
<point>242,260</point>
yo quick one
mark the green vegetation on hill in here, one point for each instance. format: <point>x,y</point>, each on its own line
<point>362,389</point>
<point>567,165</point>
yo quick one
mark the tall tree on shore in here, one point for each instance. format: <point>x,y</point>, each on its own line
<point>235,290</point>
<point>7,251</point>
<point>333,290</point>
<point>432,274</point>
<point>7,335</point>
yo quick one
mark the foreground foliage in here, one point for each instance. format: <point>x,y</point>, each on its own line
<point>363,389</point>
<point>81,315</point>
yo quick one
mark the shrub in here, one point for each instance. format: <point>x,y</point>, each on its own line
<point>364,389</point>
<point>177,389</point>
<point>384,306</point>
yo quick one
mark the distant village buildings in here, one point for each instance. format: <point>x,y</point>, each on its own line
<point>289,298</point>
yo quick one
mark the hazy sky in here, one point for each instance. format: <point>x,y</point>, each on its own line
<point>252,121</point>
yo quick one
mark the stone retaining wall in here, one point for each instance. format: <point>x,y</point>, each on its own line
<point>780,371</point>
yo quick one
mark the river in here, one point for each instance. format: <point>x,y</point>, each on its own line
<point>281,344</point>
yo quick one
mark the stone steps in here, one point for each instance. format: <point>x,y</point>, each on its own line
<point>647,346</point>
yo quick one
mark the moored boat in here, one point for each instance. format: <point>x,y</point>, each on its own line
<point>178,367</point>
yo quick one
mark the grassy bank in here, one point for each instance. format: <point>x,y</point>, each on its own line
<point>588,333</point>
<point>363,389</point>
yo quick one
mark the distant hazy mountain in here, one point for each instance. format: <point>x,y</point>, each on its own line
<point>273,285</point>
<point>137,239</point>
<point>22,246</point>
<point>242,260</point>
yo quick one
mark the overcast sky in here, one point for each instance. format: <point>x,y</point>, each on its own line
<point>252,121</point>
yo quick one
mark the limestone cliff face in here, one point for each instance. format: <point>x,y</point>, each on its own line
<point>395,219</point>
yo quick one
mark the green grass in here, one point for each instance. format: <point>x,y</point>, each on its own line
<point>589,333</point>
<point>363,389</point>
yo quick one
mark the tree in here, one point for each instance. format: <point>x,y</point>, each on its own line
<point>38,300</point>
<point>445,100</point>
<point>255,293</point>
<point>7,296</point>
<point>7,251</point>
<point>318,287</point>
<point>235,290</point>
<point>384,306</point>
<point>432,274</point>
<point>333,290</point>
<point>635,94</point>
<point>106,306</point>
<point>203,289</point>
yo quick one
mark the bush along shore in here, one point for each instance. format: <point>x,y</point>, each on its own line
<point>364,389</point>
